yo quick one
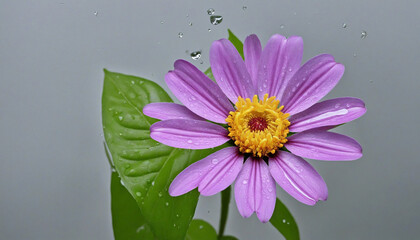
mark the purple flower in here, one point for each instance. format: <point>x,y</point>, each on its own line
<point>274,96</point>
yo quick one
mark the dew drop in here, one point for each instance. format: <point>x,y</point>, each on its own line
<point>216,19</point>
<point>201,227</point>
<point>196,55</point>
<point>189,141</point>
<point>95,13</point>
<point>284,221</point>
<point>363,35</point>
<point>180,34</point>
<point>215,161</point>
<point>245,182</point>
<point>210,11</point>
<point>153,183</point>
<point>120,118</point>
<point>244,8</point>
<point>209,30</point>
<point>344,25</point>
<point>282,26</point>
<point>190,24</point>
<point>167,204</point>
<point>138,194</point>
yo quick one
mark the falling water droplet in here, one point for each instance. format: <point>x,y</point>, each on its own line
<point>180,34</point>
<point>196,55</point>
<point>344,25</point>
<point>210,11</point>
<point>190,24</point>
<point>354,54</point>
<point>95,13</point>
<point>216,19</point>
<point>161,22</point>
<point>244,8</point>
<point>363,35</point>
<point>282,26</point>
<point>209,30</point>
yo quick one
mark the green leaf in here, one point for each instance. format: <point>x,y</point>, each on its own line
<point>229,238</point>
<point>201,230</point>
<point>237,43</point>
<point>127,221</point>
<point>145,166</point>
<point>209,74</point>
<point>284,222</point>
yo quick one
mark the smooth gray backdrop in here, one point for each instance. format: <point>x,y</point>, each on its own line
<point>54,176</point>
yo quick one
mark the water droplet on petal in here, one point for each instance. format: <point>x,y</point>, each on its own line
<point>210,11</point>
<point>245,182</point>
<point>215,161</point>
<point>189,141</point>
<point>216,19</point>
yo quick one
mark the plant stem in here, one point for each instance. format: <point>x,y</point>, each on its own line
<point>224,211</point>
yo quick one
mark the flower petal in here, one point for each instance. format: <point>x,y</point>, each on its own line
<point>167,110</point>
<point>298,178</point>
<point>230,71</point>
<point>328,113</point>
<point>255,190</point>
<point>189,134</point>
<point>311,83</point>
<point>252,51</point>
<point>280,59</point>
<point>197,92</point>
<point>190,177</point>
<point>226,167</point>
<point>322,145</point>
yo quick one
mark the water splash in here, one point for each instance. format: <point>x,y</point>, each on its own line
<point>216,19</point>
<point>196,55</point>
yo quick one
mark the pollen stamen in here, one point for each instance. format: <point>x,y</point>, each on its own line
<point>258,127</point>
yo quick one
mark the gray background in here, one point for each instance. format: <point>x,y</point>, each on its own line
<point>54,177</point>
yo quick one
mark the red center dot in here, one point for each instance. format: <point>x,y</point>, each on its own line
<point>257,124</point>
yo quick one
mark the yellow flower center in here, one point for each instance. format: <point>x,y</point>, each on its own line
<point>258,126</point>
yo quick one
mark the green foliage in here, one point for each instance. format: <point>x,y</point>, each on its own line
<point>237,43</point>
<point>145,166</point>
<point>284,222</point>
<point>201,230</point>
<point>127,220</point>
